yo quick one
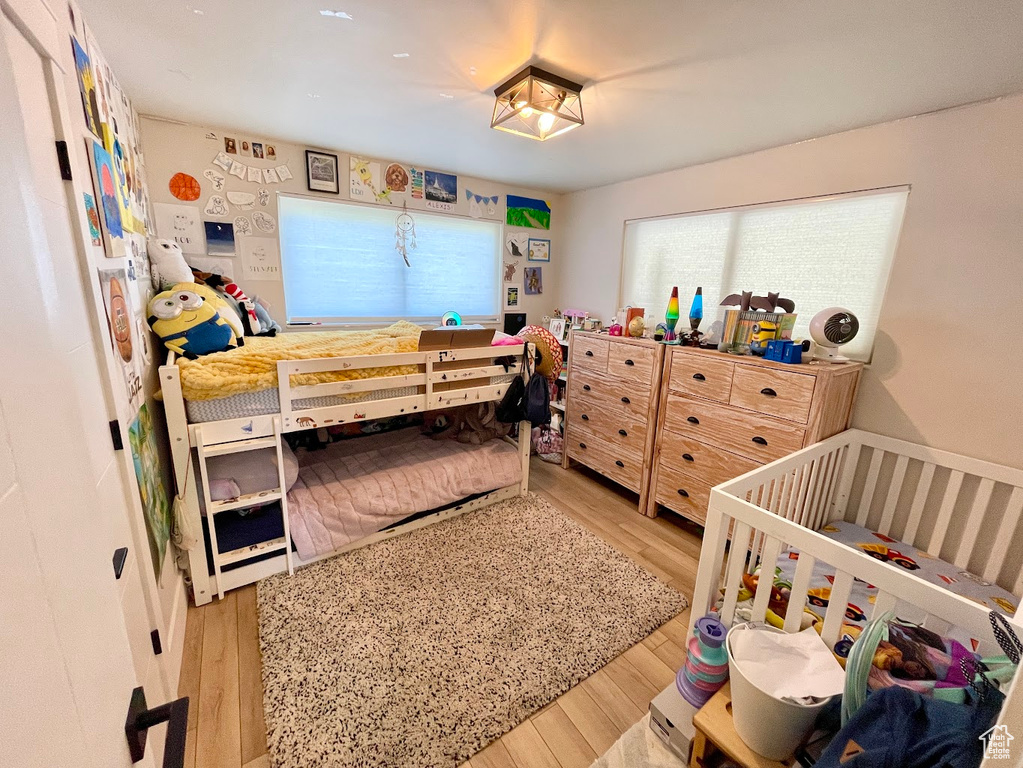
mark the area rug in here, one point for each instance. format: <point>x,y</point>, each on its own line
<point>639,747</point>
<point>422,649</point>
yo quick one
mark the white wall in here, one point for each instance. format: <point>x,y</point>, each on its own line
<point>948,361</point>
<point>173,147</point>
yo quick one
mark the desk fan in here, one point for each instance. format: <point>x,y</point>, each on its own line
<point>830,329</point>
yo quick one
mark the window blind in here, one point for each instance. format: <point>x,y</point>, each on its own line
<point>821,252</point>
<point>340,265</point>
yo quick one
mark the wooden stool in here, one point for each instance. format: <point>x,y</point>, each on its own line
<point>715,733</point>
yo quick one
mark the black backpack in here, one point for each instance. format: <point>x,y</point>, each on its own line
<point>512,408</point>
<point>538,400</point>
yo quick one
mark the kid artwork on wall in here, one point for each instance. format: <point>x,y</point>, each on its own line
<point>512,297</point>
<point>106,191</point>
<point>441,190</point>
<point>528,212</point>
<point>219,238</point>
<point>516,243</point>
<point>481,204</point>
<point>121,324</point>
<point>260,260</point>
<point>87,87</point>
<point>181,224</point>
<point>532,277</point>
<point>93,216</point>
<point>155,502</point>
<point>364,181</point>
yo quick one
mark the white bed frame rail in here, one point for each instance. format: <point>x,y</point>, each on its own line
<point>444,378</point>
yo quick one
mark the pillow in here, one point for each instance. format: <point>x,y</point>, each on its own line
<point>237,474</point>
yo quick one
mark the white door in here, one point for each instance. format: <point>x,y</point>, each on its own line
<point>69,628</point>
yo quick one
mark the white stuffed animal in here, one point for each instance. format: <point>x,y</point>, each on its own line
<point>167,263</point>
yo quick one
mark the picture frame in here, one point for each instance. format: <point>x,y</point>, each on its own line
<point>321,172</point>
<point>557,328</point>
<point>538,250</point>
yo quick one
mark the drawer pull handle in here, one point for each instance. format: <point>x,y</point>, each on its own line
<point>623,433</point>
<point>583,446</point>
<point>589,353</point>
<point>693,420</point>
<point>683,493</point>
<point>586,387</point>
<point>626,400</point>
<point>629,362</point>
<point>759,440</point>
<point>688,457</point>
<point>699,377</point>
<point>769,392</point>
<point>620,464</point>
<point>584,417</point>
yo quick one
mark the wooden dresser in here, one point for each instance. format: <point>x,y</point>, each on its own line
<point>611,408</point>
<point>722,415</point>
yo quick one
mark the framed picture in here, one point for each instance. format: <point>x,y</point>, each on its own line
<point>557,328</point>
<point>512,297</point>
<point>539,250</point>
<point>321,172</point>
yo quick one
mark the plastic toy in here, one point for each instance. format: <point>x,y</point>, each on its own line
<point>784,351</point>
<point>763,332</point>
<point>451,318</point>
<point>659,331</point>
<point>671,317</point>
<point>706,667</point>
<point>188,324</point>
<point>615,329</point>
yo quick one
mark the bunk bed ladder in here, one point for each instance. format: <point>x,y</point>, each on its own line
<point>213,508</point>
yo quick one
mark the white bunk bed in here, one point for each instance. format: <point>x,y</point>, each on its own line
<point>446,378</point>
<point>953,508</point>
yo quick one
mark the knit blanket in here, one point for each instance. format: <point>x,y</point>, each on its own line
<point>253,367</point>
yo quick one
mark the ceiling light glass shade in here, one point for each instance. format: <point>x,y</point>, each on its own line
<point>537,104</point>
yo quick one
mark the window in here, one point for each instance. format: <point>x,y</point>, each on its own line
<point>340,265</point>
<point>821,252</point>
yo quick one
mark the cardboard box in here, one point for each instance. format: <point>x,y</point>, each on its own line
<point>458,338</point>
<point>671,718</point>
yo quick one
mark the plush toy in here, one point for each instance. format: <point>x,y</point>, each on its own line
<point>219,302</point>
<point>188,324</point>
<point>168,263</point>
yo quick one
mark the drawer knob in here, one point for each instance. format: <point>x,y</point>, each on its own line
<point>583,446</point>
<point>589,353</point>
<point>759,440</point>
<point>688,457</point>
<point>626,400</point>
<point>693,420</point>
<point>620,464</point>
<point>769,392</point>
<point>584,417</point>
<point>623,433</point>
<point>629,362</point>
<point>683,493</point>
<point>586,387</point>
<point>699,377</point>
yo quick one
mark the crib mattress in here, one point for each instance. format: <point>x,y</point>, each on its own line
<point>899,555</point>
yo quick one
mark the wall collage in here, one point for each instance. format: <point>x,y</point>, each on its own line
<point>116,206</point>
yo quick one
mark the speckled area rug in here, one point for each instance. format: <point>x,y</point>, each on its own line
<point>422,649</point>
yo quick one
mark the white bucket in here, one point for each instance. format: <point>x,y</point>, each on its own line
<point>770,727</point>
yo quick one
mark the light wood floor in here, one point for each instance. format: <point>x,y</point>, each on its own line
<point>221,665</point>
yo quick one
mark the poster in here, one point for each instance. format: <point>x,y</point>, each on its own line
<point>106,196</point>
<point>123,340</point>
<point>532,278</point>
<point>260,259</point>
<point>156,505</point>
<point>219,238</point>
<point>441,190</point>
<point>182,224</point>
<point>87,87</point>
<point>539,250</point>
<point>93,216</point>
<point>528,212</point>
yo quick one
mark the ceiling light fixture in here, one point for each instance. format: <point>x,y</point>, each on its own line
<point>537,104</point>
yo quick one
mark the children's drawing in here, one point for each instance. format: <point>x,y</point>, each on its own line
<point>242,226</point>
<point>532,277</point>
<point>255,175</point>
<point>237,169</point>
<point>510,268</point>
<point>264,196</point>
<point>93,216</point>
<point>114,286</point>
<point>155,502</point>
<point>270,176</point>
<point>441,190</point>
<point>396,178</point>
<point>244,200</point>
<point>216,178</point>
<point>512,298</point>
<point>105,187</point>
<point>259,258</point>
<point>185,187</point>
<point>216,206</point>
<point>87,87</point>
<point>480,204</point>
<point>219,238</point>
<point>182,224</point>
<point>528,212</point>
<point>223,161</point>
<point>516,243</point>
<point>364,181</point>
<point>283,172</point>
<point>264,222</point>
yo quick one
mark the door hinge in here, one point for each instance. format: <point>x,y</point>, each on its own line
<point>64,161</point>
<point>157,645</point>
<point>120,556</point>
<point>115,435</point>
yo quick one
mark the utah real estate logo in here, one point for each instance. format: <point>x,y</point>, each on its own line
<point>997,743</point>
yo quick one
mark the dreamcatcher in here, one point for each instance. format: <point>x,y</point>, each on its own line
<point>405,234</point>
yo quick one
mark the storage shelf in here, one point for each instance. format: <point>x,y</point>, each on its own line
<point>248,500</point>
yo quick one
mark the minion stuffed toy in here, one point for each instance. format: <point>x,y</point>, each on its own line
<point>189,324</point>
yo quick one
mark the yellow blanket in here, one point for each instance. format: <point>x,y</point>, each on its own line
<point>253,367</point>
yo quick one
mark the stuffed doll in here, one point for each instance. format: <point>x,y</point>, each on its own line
<point>168,263</point>
<point>188,324</point>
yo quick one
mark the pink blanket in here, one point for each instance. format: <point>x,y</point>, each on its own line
<point>355,488</point>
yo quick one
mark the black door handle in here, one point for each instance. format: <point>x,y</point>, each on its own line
<point>683,493</point>
<point>140,719</point>
<point>769,392</point>
<point>626,400</point>
<point>584,417</point>
<point>586,387</point>
<point>589,353</point>
<point>759,440</point>
<point>699,377</point>
<point>629,362</point>
<point>620,464</point>
<point>693,420</point>
<point>623,433</point>
<point>688,457</point>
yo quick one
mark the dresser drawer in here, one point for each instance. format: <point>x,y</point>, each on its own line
<point>630,362</point>
<point>776,393</point>
<point>704,463</point>
<point>596,454</point>
<point>755,437</point>
<point>590,353</point>
<point>695,375</point>
<point>622,433</point>
<point>683,494</point>
<point>628,397</point>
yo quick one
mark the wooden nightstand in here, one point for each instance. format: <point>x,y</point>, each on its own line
<point>714,733</point>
